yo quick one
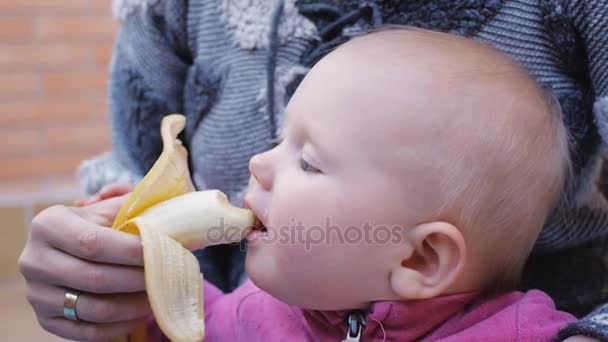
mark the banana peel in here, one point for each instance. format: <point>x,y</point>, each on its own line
<point>168,177</point>
<point>172,219</point>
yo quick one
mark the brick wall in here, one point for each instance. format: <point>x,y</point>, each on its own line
<point>54,57</point>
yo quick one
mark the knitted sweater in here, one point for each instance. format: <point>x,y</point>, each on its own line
<point>231,65</point>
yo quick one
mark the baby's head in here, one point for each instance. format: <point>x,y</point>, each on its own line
<point>414,164</point>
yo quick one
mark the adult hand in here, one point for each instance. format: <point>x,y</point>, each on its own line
<point>71,249</point>
<point>108,191</point>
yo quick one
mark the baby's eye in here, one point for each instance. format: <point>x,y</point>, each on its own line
<point>306,167</point>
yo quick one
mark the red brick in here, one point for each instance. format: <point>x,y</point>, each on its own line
<point>19,141</point>
<point>42,111</point>
<point>21,167</point>
<point>103,54</point>
<point>76,82</point>
<point>81,28</point>
<point>19,84</point>
<point>54,57</point>
<point>16,29</point>
<point>13,240</point>
<point>61,183</point>
<point>80,136</point>
<point>37,6</point>
<point>10,188</point>
<point>102,6</point>
<point>46,55</point>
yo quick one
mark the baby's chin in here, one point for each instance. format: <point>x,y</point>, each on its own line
<point>258,270</point>
<point>297,292</point>
<point>265,276</point>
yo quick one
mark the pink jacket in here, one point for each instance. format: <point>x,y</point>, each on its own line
<point>250,314</point>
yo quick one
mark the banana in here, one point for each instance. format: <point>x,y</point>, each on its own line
<point>168,177</point>
<point>173,219</point>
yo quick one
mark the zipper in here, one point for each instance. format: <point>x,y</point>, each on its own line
<point>355,325</point>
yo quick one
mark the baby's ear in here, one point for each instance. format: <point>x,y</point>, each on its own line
<point>432,264</point>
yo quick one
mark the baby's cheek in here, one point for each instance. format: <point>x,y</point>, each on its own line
<point>302,276</point>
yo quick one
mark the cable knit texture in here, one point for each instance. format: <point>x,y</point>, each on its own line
<point>214,59</point>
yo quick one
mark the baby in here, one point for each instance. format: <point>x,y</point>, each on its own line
<point>414,174</point>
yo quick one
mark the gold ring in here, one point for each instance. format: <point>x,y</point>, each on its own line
<point>69,305</point>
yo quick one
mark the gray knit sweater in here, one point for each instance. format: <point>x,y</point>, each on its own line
<point>231,65</point>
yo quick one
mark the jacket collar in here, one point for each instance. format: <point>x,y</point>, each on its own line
<point>390,320</point>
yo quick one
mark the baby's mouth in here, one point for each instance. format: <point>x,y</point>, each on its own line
<point>259,226</point>
<point>258,231</point>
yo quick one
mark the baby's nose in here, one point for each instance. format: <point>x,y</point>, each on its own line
<point>261,170</point>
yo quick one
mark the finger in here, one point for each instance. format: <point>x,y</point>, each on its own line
<point>86,276</point>
<point>111,308</point>
<point>114,189</point>
<point>88,201</point>
<point>85,331</point>
<point>80,202</point>
<point>48,301</point>
<point>76,236</point>
<point>106,209</point>
<point>108,191</point>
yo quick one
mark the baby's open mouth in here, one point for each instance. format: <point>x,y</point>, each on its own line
<point>259,226</point>
<point>258,230</point>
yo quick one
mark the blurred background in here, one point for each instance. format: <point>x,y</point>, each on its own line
<point>54,58</point>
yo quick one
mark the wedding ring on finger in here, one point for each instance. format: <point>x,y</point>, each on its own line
<point>69,305</point>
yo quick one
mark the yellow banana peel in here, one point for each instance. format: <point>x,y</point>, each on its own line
<point>168,177</point>
<point>173,219</point>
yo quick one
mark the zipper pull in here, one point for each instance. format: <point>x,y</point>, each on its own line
<point>356,324</point>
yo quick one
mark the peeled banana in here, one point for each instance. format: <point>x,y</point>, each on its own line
<point>173,219</point>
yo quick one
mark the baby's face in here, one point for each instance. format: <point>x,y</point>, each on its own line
<point>377,136</point>
<point>338,193</point>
